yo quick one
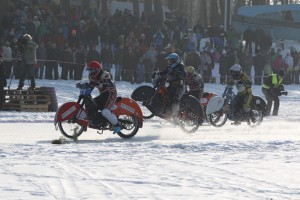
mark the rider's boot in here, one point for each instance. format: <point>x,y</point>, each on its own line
<point>117,128</point>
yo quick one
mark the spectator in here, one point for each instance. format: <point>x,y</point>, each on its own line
<point>29,60</point>
<point>130,65</point>
<point>248,37</point>
<point>92,54</point>
<point>247,62</point>
<point>258,63</point>
<point>7,58</point>
<point>79,63</point>
<point>223,66</point>
<point>66,62</point>
<point>158,38</point>
<point>41,55</point>
<point>288,67</point>
<point>106,57</point>
<point>118,61</point>
<point>205,63</point>
<point>150,60</point>
<point>2,82</point>
<point>296,69</point>
<point>52,62</point>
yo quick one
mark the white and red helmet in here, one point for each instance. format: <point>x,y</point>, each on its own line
<point>95,69</point>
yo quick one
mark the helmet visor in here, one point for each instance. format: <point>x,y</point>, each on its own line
<point>234,74</point>
<point>93,71</point>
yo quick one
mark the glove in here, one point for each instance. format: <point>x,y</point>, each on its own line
<point>82,85</point>
<point>240,83</point>
<point>154,75</point>
<point>79,85</point>
<point>284,93</point>
<point>275,92</point>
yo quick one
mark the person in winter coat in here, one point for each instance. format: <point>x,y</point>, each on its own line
<point>259,64</point>
<point>150,60</point>
<point>53,55</point>
<point>29,60</point>
<point>205,63</point>
<point>66,63</point>
<point>79,62</point>
<point>273,88</point>
<point>118,61</point>
<point>92,54</point>
<point>223,69</point>
<point>7,58</point>
<point>41,55</point>
<point>3,82</point>
<point>103,81</point>
<point>130,65</point>
<point>194,82</point>
<point>288,67</point>
<point>175,75</point>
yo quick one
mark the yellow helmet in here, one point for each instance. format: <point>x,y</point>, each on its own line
<point>190,70</point>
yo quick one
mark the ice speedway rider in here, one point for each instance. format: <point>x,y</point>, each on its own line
<point>273,88</point>
<point>194,82</point>
<point>103,81</point>
<point>243,84</point>
<point>175,75</point>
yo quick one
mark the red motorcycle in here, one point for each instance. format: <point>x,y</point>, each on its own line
<point>72,118</point>
<point>154,100</point>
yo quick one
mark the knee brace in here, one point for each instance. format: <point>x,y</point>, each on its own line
<point>109,116</point>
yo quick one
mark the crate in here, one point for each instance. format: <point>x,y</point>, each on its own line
<point>26,101</point>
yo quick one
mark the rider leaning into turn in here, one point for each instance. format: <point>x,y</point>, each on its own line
<point>102,80</point>
<point>175,75</point>
<point>194,82</point>
<point>244,92</point>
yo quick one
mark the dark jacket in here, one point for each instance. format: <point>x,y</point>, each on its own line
<point>29,55</point>
<point>175,76</point>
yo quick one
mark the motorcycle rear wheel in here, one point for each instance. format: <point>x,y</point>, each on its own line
<point>256,118</point>
<point>189,120</point>
<point>130,126</point>
<point>70,129</point>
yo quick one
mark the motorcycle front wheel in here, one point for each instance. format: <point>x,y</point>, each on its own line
<point>70,129</point>
<point>188,120</point>
<point>217,119</point>
<point>130,126</point>
<point>256,118</point>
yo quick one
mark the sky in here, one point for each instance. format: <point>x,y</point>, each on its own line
<point>160,162</point>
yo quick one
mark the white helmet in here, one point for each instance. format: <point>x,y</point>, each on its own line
<point>235,71</point>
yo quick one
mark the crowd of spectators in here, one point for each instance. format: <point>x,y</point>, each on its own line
<point>134,46</point>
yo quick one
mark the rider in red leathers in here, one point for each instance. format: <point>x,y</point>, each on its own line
<point>102,80</point>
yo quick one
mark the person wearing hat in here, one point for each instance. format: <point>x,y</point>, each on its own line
<point>29,60</point>
<point>273,88</point>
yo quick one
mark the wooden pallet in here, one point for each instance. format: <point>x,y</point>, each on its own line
<point>26,101</point>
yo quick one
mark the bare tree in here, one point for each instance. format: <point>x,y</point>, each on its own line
<point>136,8</point>
<point>148,8</point>
<point>158,9</point>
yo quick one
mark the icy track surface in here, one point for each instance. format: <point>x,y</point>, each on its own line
<point>160,162</point>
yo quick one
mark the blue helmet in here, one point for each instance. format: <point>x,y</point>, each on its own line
<point>173,59</point>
